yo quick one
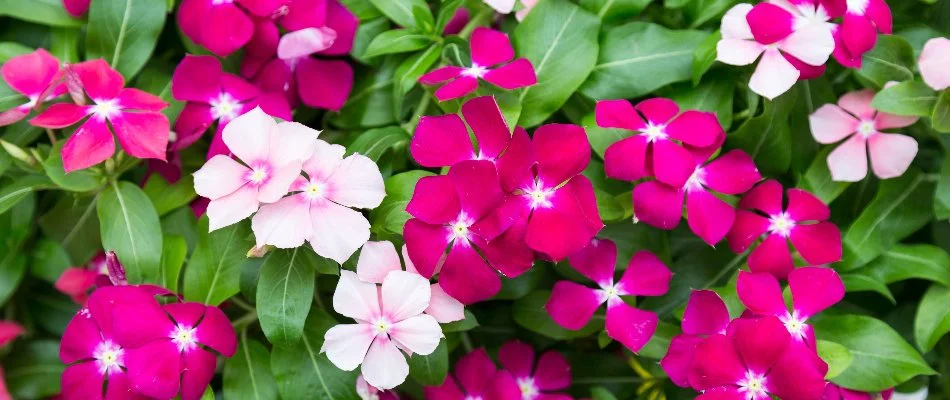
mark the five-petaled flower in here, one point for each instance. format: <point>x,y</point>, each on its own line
<point>705,315</point>
<point>859,27</point>
<point>475,376</point>
<point>31,75</point>
<point>933,62</point>
<point>223,26</point>
<point>536,381</point>
<point>442,141</point>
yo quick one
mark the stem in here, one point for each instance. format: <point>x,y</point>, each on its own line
<point>244,321</point>
<point>479,19</point>
<point>52,136</point>
<point>466,342</point>
<point>410,126</point>
<point>243,304</point>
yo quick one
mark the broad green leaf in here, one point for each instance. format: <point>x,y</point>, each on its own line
<point>715,96</point>
<point>130,227</point>
<point>838,357</point>
<point>817,178</point>
<point>43,12</point>
<point>15,227</point>
<point>902,262</point>
<point>700,12</point>
<point>9,50</point>
<point>942,192</point>
<point>12,270</point>
<point>864,283</point>
<point>660,342</point>
<point>12,193</point>
<point>430,370</point>
<point>374,143</point>
<point>408,73</point>
<point>247,374</point>
<point>529,312</point>
<point>156,78</point>
<point>52,311</point>
<point>446,11</point>
<point>124,32</point>
<point>705,56</point>
<point>371,101</point>
<point>767,137</point>
<point>941,113</point>
<point>892,59</point>
<point>810,95</point>
<point>48,260</point>
<point>881,358</point>
<point>400,11</point>
<point>363,9</point>
<point>174,252</point>
<point>365,33</point>
<point>303,372</point>
<point>933,317</point>
<point>33,370</point>
<point>167,197</point>
<point>601,138</point>
<point>213,272</point>
<point>284,293</point>
<point>423,17</point>
<point>82,180</point>
<point>396,41</point>
<point>560,40</point>
<point>64,44</point>
<point>391,214</point>
<point>615,10</point>
<point>466,324</point>
<point>208,394</point>
<point>913,98</point>
<point>73,223</point>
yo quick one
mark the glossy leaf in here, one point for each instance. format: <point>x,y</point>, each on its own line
<point>430,370</point>
<point>396,41</point>
<point>391,214</point>
<point>124,32</point>
<point>167,197</point>
<point>838,357</point>
<point>767,137</point>
<point>130,227</point>
<point>174,252</point>
<point>400,11</point>
<point>44,12</point>
<point>892,59</point>
<point>213,272</point>
<point>284,294</point>
<point>933,317</point>
<point>375,143</point>
<point>912,98</point>
<point>303,372</point>
<point>530,314</point>
<point>247,375</point>
<point>73,223</point>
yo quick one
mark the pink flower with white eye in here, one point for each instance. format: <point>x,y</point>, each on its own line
<point>475,377</point>
<point>134,115</point>
<point>283,64</point>
<point>490,48</point>
<point>933,62</point>
<point>369,392</point>
<point>442,141</point>
<point>786,41</point>
<point>858,31</point>
<point>755,360</point>
<point>804,222</point>
<point>667,145</point>
<point>709,217</point>
<point>835,392</point>
<point>890,154</point>
<point>319,210</point>
<point>211,96</point>
<point>388,319</point>
<point>813,290</point>
<point>76,8</point>
<point>30,75</point>
<point>572,305</point>
<point>223,26</point>
<point>378,259</point>
<point>705,315</point>
<point>272,155</point>
<point>552,372</point>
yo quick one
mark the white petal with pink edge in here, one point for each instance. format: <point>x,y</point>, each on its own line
<point>220,176</point>
<point>248,135</point>
<point>284,224</point>
<point>419,334</point>
<point>232,208</point>
<point>356,299</point>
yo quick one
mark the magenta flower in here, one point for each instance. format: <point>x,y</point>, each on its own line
<point>890,154</point>
<point>705,315</point>
<point>933,62</point>
<point>664,142</point>
<point>754,361</point>
<point>490,48</point>
<point>76,8</point>
<point>552,372</point>
<point>813,290</point>
<point>572,305</point>
<point>133,115</point>
<point>213,95</point>
<point>442,141</point>
<point>30,75</point>
<point>475,377</point>
<point>835,392</point>
<point>858,31</point>
<point>223,26</point>
<point>804,221</point>
<point>9,331</point>
<point>709,217</point>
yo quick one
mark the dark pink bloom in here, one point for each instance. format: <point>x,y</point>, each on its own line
<point>804,222</point>
<point>490,48</point>
<point>664,138</point>
<point>76,8</point>
<point>709,217</point>
<point>475,377</point>
<point>458,21</point>
<point>551,373</point>
<point>706,314</point>
<point>76,282</point>
<point>9,331</point>
<point>30,75</point>
<point>835,392</point>
<point>572,305</point>
<point>223,26</point>
<point>442,141</point>
<point>858,31</point>
<point>133,115</point>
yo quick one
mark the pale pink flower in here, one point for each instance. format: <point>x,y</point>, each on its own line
<point>934,62</point>
<point>30,75</point>
<point>388,319</point>
<point>370,392</point>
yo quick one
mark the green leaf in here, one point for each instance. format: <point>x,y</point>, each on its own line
<point>941,113</point>
<point>638,58</point>
<point>901,207</point>
<point>705,56</point>
<point>371,101</point>
<point>423,18</point>
<point>15,227</point>
<point>33,370</point>
<point>374,143</point>
<point>48,260</point>
<point>174,252</point>
<point>430,370</point>
<point>817,178</point>
<point>82,180</point>
<point>660,342</point>
<point>601,393</point>
<point>130,227</point>
<point>615,10</point>
<point>156,78</point>
<point>560,40</point>
<point>601,138</point>
<point>284,294</point>
<point>466,324</point>
<point>9,50</point>
<point>303,372</point>
<point>247,375</point>
<point>400,11</point>
<point>73,223</point>
<point>12,270</point>
<point>529,312</point>
<point>213,272</point>
<point>892,59</point>
<point>838,357</point>
<point>365,34</point>
<point>44,12</point>
<point>933,317</point>
<point>64,44</point>
<point>902,262</point>
<point>913,98</point>
<point>942,192</point>
<point>446,11</point>
<point>391,214</point>
<point>363,9</point>
<point>124,32</point>
<point>167,198</point>
<point>864,283</point>
<point>714,96</point>
<point>767,137</point>
<point>208,394</point>
<point>396,41</point>
<point>881,358</point>
<point>12,193</point>
<point>408,73</point>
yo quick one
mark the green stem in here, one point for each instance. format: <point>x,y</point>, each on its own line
<point>244,321</point>
<point>52,136</point>
<point>482,18</point>
<point>243,304</point>
<point>417,114</point>
<point>466,342</point>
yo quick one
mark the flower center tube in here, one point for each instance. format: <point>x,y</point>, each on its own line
<point>781,224</point>
<point>696,181</point>
<point>475,71</point>
<point>539,196</point>
<point>529,390</point>
<point>459,229</point>
<point>795,324</point>
<point>184,337</point>
<point>753,386</point>
<point>258,174</point>
<point>654,132</point>
<point>866,128</point>
<point>224,107</point>
<point>108,357</point>
<point>105,109</point>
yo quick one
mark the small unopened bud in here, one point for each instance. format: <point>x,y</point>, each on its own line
<point>116,270</point>
<point>17,152</point>
<point>258,252</point>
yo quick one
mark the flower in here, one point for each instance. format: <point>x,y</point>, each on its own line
<point>475,377</point>
<point>223,26</point>
<point>76,282</point>
<point>388,319</point>
<point>272,156</point>
<point>213,95</point>
<point>378,259</point>
<point>571,304</point>
<point>31,75</point>
<point>804,222</point>
<point>319,211</point>
<point>655,149</point>
<point>709,217</point>
<point>442,141</point>
<point>705,314</point>
<point>76,8</point>
<point>786,40</point>
<point>813,290</point>
<point>133,115</point>
<point>9,331</point>
<point>835,392</point>
<point>507,6</point>
<point>551,373</point>
<point>933,62</point>
<point>890,154</point>
<point>369,392</point>
<point>858,31</point>
<point>489,49</point>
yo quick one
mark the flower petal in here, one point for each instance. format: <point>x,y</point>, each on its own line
<point>715,363</point>
<point>732,173</point>
<point>849,161</point>
<point>679,356</point>
<point>933,61</point>
<point>858,103</point>
<point>377,259</point>
<point>658,205</point>
<point>444,308</point>
<point>696,128</point>
<point>830,123</point>
<point>518,358</point>
<point>467,277</point>
<point>248,135</point>
<point>99,80</point>
<point>770,23</point>
<point>91,144</point>
<point>596,261</point>
<point>441,141</point>
<point>230,209</point>
<point>334,78</point>
<point>708,216</point>
<point>60,115</point>
<point>284,224</point>
<point>441,74</point>
<point>82,380</point>
<point>815,289</point>
<point>804,206</point>
<point>198,369</point>
<point>197,78</point>
<point>761,293</point>
<point>304,42</point>
<point>658,110</point>
<point>774,75</point>
<point>484,117</point>
<point>630,326</point>
<point>553,372</point>
<point>346,345</point>
<point>325,160</point>
<point>705,314</point>
<point>293,141</point>
<point>79,339</point>
<point>812,44</point>
<point>490,47</point>
<point>572,305</point>
<point>817,243</point>
<point>404,294</point>
<point>31,73</point>
<point>738,51</point>
<point>477,185</point>
<point>345,23</point>
<point>794,377</point>
<point>358,183</point>
<point>626,159</point>
<point>475,371</point>
<point>772,256</point>
<point>337,231</point>
<point>672,164</point>
<point>857,33</point>
<point>765,197</point>
<point>618,114</point>
<point>565,227</point>
<point>514,75</point>
<point>420,334</point>
<point>226,18</point>
<point>646,275</point>
<point>448,390</point>
<point>891,154</point>
<point>426,245</point>
<point>155,369</point>
<point>735,24</point>
<point>760,342</point>
<point>459,87</point>
<point>142,135</point>
<point>434,200</point>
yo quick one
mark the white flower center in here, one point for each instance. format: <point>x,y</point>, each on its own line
<point>781,224</point>
<point>315,190</point>
<point>475,71</point>
<point>753,386</point>
<point>382,326</point>
<point>85,313</point>
<point>795,324</point>
<point>654,132</point>
<point>858,7</point>
<point>105,109</point>
<point>224,107</point>
<point>184,337</point>
<point>539,196</point>
<point>458,230</point>
<point>529,390</point>
<point>220,2</point>
<point>866,128</point>
<point>810,14</point>
<point>696,181</point>
<point>473,398</point>
<point>108,357</point>
<point>258,174</point>
<point>609,292</point>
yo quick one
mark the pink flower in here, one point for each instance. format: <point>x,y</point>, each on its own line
<point>9,331</point>
<point>813,290</point>
<point>571,304</point>
<point>223,26</point>
<point>272,156</point>
<point>787,39</point>
<point>933,62</point>
<point>858,31</point>
<point>319,210</point>
<point>665,141</point>
<point>442,141</point>
<point>76,282</point>
<point>753,361</point>
<point>475,377</point>
<point>489,48</point>
<point>76,8</point>
<point>30,75</point>
<point>388,319</point>
<point>213,95</point>
<point>284,64</point>
<point>378,259</point>
<point>458,22</point>
<point>705,314</point>
<point>552,372</point>
<point>369,392</point>
<point>890,154</point>
<point>835,392</point>
<point>804,222</point>
<point>709,217</point>
<point>133,115</point>
<point>528,6</point>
